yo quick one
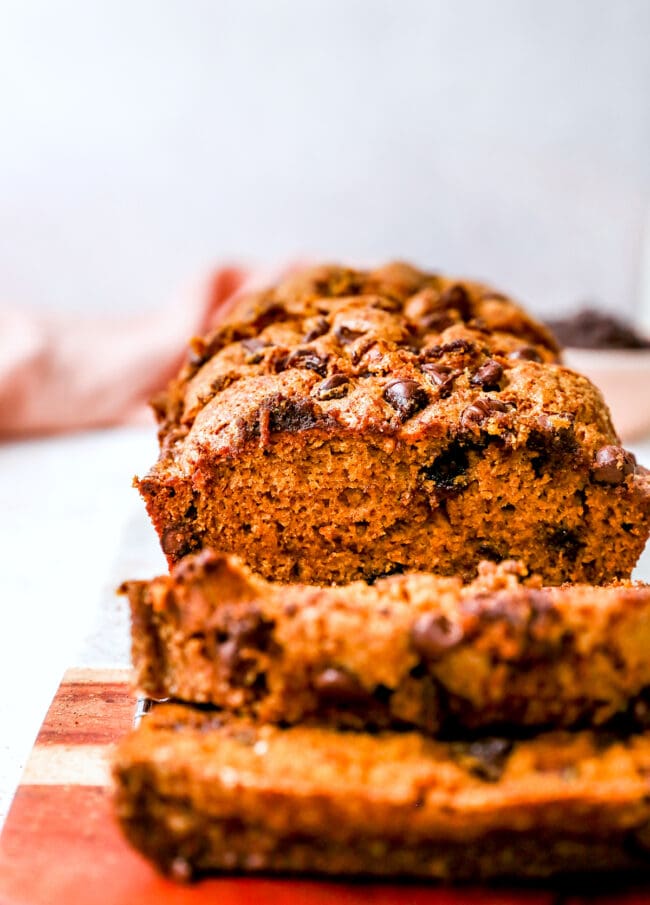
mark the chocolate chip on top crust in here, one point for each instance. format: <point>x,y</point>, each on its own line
<point>612,465</point>
<point>406,396</point>
<point>479,411</point>
<point>334,387</point>
<point>525,353</point>
<point>307,358</point>
<point>488,375</point>
<point>319,328</point>
<point>441,377</point>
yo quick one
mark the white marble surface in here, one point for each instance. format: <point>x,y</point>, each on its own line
<point>66,505</point>
<point>72,529</point>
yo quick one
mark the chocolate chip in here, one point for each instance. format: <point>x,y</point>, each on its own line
<point>319,329</point>
<point>252,630</point>
<point>488,375</point>
<point>268,313</point>
<point>457,297</point>
<point>463,346</point>
<point>490,756</point>
<point>291,415</point>
<point>253,350</point>
<point>361,349</point>
<point>337,686</point>
<point>479,411</point>
<point>436,322</point>
<point>612,465</point>
<point>384,303</point>
<point>333,388</point>
<point>442,378</point>
<point>346,335</point>
<point>176,543</point>
<point>406,396</point>
<point>447,471</point>
<point>277,360</point>
<point>432,634</point>
<point>525,353</point>
<point>307,358</point>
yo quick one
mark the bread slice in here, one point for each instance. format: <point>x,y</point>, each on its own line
<point>199,792</point>
<point>411,650</point>
<point>347,425</point>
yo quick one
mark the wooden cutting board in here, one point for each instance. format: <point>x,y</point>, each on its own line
<point>61,845</point>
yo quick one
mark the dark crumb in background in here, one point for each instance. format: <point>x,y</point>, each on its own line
<point>592,329</point>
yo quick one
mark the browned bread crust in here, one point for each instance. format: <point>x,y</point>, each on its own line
<point>412,650</point>
<point>350,424</point>
<point>199,792</point>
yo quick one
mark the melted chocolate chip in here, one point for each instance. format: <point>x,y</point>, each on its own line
<point>432,635</point>
<point>319,329</point>
<point>456,346</point>
<point>463,346</point>
<point>457,297</point>
<point>488,375</point>
<point>406,396</point>
<point>251,632</point>
<point>333,388</point>
<point>525,353</point>
<point>479,411</point>
<point>272,314</point>
<point>612,465</point>
<point>553,446</point>
<point>361,349</point>
<point>337,686</point>
<point>253,350</point>
<point>307,358</point>
<point>176,543</point>
<point>442,378</point>
<point>436,322</point>
<point>292,415</point>
<point>346,335</point>
<point>446,470</point>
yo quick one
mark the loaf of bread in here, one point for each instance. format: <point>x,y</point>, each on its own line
<point>411,650</point>
<point>348,425</point>
<point>199,791</point>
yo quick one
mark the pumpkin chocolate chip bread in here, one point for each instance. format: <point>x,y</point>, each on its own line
<point>347,425</point>
<point>411,650</point>
<point>199,791</point>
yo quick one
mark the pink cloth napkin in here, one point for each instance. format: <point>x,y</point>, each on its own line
<point>62,373</point>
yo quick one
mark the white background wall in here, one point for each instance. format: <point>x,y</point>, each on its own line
<point>142,140</point>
